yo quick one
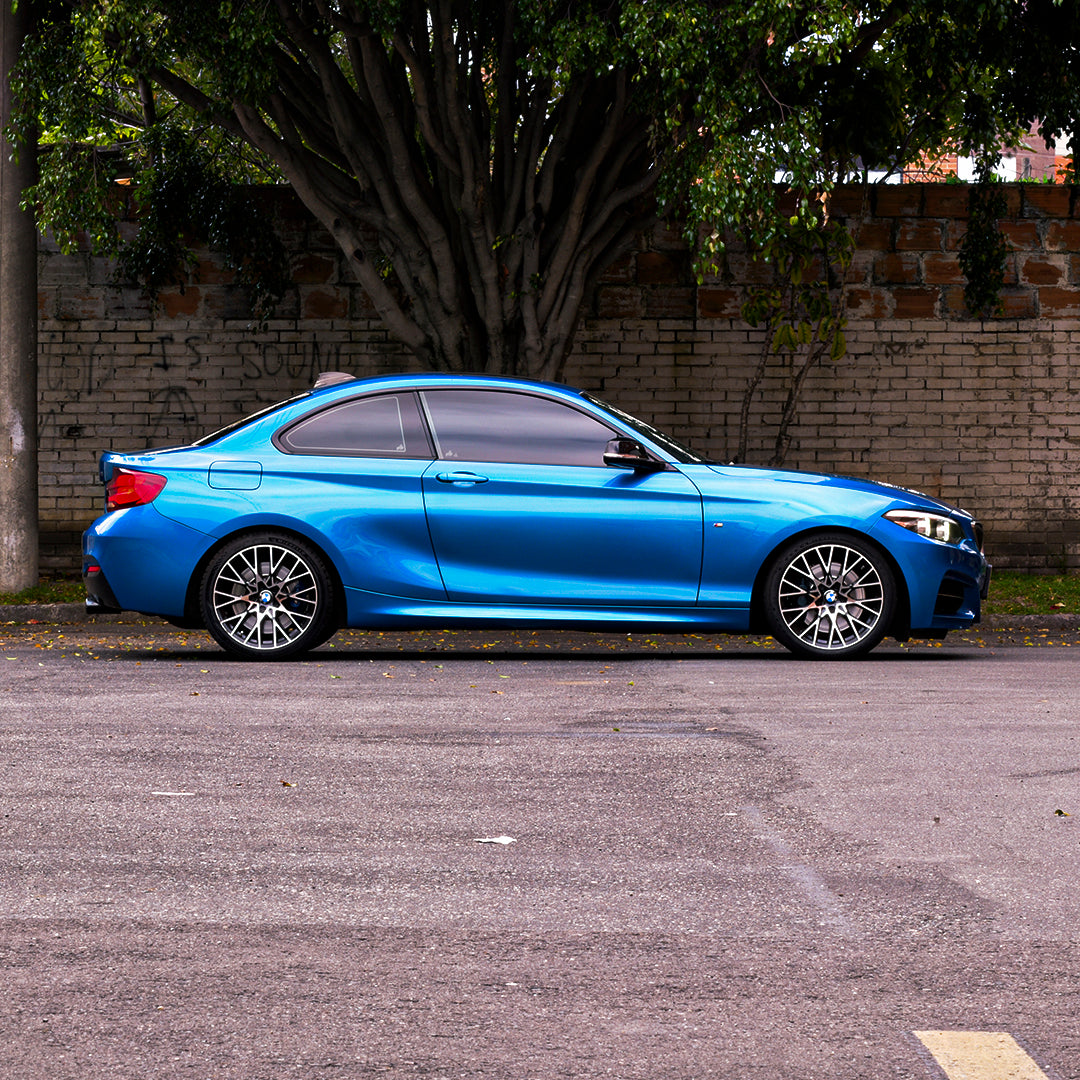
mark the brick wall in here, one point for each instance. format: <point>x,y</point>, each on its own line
<point>983,413</point>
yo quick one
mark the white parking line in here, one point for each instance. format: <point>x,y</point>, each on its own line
<point>979,1055</point>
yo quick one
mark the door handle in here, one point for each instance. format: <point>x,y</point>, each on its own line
<point>463,478</point>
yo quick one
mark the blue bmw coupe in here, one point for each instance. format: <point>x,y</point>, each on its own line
<point>459,500</point>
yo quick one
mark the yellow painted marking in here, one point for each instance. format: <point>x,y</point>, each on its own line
<point>979,1055</point>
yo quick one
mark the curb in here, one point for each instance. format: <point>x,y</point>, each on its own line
<point>42,613</point>
<point>1031,622</point>
<point>65,615</point>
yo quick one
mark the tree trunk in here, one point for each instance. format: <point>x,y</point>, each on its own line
<point>18,335</point>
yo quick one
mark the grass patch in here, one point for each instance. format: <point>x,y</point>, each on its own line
<point>1014,593</point>
<point>51,591</point>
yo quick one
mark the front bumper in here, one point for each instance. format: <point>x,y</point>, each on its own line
<point>946,584</point>
<point>959,600</point>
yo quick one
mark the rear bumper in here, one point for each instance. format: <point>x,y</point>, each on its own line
<point>138,560</point>
<point>100,599</point>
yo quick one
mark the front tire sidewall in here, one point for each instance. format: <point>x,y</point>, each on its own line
<point>315,606</point>
<point>880,597</point>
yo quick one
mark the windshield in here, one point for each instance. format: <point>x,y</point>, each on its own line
<point>682,454</point>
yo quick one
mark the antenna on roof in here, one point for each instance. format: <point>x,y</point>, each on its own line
<point>332,378</point>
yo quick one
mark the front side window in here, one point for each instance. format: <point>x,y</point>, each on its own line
<point>387,425</point>
<point>495,425</point>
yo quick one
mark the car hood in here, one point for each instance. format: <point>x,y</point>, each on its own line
<point>847,483</point>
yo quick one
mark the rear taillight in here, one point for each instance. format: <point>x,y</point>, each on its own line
<point>127,488</point>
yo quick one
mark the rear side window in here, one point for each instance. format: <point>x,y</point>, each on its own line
<point>236,425</point>
<point>495,425</point>
<point>386,425</point>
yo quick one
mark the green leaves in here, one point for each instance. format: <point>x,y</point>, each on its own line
<point>802,309</point>
<point>491,150</point>
<point>84,91</point>
<point>182,194</point>
<point>984,249</point>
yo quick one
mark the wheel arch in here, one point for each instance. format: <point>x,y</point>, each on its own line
<point>192,611</point>
<point>901,621</point>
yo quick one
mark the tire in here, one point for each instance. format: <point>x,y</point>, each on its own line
<point>830,596</point>
<point>267,596</point>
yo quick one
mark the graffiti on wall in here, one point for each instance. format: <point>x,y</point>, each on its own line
<point>175,389</point>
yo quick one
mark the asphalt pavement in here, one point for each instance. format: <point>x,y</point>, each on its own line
<point>535,855</point>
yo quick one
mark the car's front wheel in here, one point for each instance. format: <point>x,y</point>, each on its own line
<point>831,595</point>
<point>267,596</point>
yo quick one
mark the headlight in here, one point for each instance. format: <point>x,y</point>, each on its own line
<point>932,526</point>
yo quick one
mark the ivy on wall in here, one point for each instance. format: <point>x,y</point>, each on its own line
<point>984,248</point>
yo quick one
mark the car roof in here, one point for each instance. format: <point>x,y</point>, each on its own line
<point>333,385</point>
<point>431,380</point>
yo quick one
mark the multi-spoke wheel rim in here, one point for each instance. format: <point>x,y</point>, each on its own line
<point>831,597</point>
<point>265,597</point>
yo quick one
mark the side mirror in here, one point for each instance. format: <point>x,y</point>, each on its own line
<point>623,453</point>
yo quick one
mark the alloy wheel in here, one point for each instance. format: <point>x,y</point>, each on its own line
<point>265,597</point>
<point>832,598</point>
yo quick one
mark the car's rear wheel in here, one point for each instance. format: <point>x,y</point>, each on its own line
<point>267,596</point>
<point>830,595</point>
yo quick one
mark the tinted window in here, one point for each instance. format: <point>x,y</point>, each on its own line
<point>388,425</point>
<point>490,425</point>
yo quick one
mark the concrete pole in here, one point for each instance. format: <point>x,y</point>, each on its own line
<point>18,334</point>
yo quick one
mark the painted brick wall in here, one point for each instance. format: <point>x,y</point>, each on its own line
<point>983,413</point>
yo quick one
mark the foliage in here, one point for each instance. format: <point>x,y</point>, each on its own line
<point>802,311</point>
<point>480,162</point>
<point>104,144</point>
<point>187,194</point>
<point>984,249</point>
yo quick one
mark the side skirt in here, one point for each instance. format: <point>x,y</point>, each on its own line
<point>371,611</point>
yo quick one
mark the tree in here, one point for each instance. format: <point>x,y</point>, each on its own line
<point>480,162</point>
<point>18,337</point>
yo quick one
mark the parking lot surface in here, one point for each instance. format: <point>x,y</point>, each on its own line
<point>538,855</point>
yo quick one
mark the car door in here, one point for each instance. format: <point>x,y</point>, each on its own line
<point>522,509</point>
